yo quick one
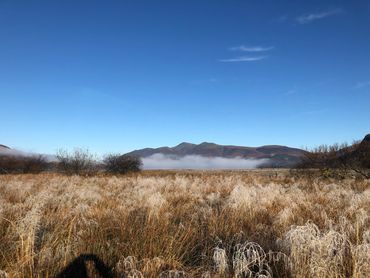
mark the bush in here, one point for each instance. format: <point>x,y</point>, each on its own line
<point>78,162</point>
<point>122,164</point>
<point>23,164</point>
<point>339,160</point>
<point>358,159</point>
<point>35,164</point>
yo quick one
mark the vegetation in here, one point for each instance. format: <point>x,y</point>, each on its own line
<point>122,164</point>
<point>339,160</point>
<point>193,224</point>
<point>22,165</point>
<point>78,162</point>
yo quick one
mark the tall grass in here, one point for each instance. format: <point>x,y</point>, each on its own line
<point>186,224</point>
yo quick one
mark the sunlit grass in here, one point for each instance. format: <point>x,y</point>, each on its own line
<point>199,224</point>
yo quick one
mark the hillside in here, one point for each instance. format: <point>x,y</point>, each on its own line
<point>359,157</point>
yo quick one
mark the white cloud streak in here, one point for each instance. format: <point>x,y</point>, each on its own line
<point>308,18</point>
<point>251,48</point>
<point>161,161</point>
<point>243,59</point>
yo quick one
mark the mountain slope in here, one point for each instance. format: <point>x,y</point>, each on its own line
<point>279,156</point>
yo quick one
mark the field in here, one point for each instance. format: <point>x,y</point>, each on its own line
<point>187,224</point>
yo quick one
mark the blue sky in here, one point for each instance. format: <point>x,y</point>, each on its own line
<point>114,76</point>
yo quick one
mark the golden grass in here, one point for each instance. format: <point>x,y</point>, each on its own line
<point>187,224</point>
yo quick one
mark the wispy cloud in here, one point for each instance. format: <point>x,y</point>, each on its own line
<point>308,18</point>
<point>244,48</point>
<point>243,59</point>
<point>360,85</point>
<point>251,48</point>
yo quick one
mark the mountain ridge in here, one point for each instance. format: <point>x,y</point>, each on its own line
<point>279,156</point>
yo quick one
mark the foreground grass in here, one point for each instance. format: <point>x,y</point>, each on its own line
<point>198,224</point>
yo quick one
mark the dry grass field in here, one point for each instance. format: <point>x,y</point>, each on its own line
<point>187,224</point>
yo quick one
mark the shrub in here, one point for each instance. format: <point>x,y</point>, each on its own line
<point>122,164</point>
<point>78,162</point>
<point>23,164</point>
<point>339,160</point>
<point>35,164</point>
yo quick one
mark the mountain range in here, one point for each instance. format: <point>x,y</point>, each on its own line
<point>278,156</point>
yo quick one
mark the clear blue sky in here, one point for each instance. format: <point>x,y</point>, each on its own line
<point>114,76</point>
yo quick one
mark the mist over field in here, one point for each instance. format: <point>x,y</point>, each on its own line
<point>161,162</point>
<point>13,152</point>
<point>25,154</point>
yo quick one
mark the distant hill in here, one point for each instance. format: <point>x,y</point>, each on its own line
<point>359,156</point>
<point>6,151</point>
<point>278,156</point>
<point>366,140</point>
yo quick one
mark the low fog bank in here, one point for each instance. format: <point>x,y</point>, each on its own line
<point>18,153</point>
<point>13,152</point>
<point>162,162</point>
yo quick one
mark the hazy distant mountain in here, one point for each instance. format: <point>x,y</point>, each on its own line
<point>278,156</point>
